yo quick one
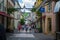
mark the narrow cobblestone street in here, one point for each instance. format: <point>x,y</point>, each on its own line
<point>28,36</point>
<point>29,19</point>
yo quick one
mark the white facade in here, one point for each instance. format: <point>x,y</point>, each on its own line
<point>16,15</point>
<point>33,16</point>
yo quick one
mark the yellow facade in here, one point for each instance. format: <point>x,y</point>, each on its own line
<point>37,3</point>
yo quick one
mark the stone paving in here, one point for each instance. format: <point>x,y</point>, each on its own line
<point>41,36</point>
<point>29,36</point>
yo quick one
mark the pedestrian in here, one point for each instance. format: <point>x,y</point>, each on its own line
<point>26,28</point>
<point>2,32</point>
<point>22,27</point>
<point>29,27</point>
<point>19,27</point>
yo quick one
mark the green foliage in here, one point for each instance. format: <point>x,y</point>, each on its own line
<point>10,10</point>
<point>33,9</point>
<point>38,13</point>
<point>22,21</point>
<point>26,14</point>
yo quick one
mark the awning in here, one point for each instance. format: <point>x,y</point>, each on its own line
<point>3,14</point>
<point>6,15</point>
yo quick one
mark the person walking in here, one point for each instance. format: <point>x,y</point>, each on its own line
<point>22,27</point>
<point>26,28</point>
<point>19,27</point>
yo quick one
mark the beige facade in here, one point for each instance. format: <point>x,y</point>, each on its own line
<point>10,21</point>
<point>48,22</point>
<point>10,4</point>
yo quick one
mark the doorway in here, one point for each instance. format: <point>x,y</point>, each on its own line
<point>49,25</point>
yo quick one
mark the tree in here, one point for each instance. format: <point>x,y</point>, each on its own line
<point>33,9</point>
<point>22,21</point>
<point>38,13</point>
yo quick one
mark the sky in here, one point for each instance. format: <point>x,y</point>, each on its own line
<point>27,3</point>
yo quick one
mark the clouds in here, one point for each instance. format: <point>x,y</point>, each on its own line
<point>26,10</point>
<point>27,3</point>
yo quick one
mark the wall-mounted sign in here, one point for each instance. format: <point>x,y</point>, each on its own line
<point>42,9</point>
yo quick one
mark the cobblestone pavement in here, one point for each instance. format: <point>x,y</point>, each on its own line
<point>28,36</point>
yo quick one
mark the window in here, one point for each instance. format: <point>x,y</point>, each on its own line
<point>2,5</point>
<point>49,7</point>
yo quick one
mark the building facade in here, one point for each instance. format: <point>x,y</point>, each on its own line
<point>37,2</point>
<point>3,12</point>
<point>10,18</point>
<point>17,14</point>
<point>48,18</point>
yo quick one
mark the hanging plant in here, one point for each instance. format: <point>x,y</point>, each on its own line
<point>10,10</point>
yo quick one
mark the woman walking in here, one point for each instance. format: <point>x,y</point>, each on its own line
<point>19,27</point>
